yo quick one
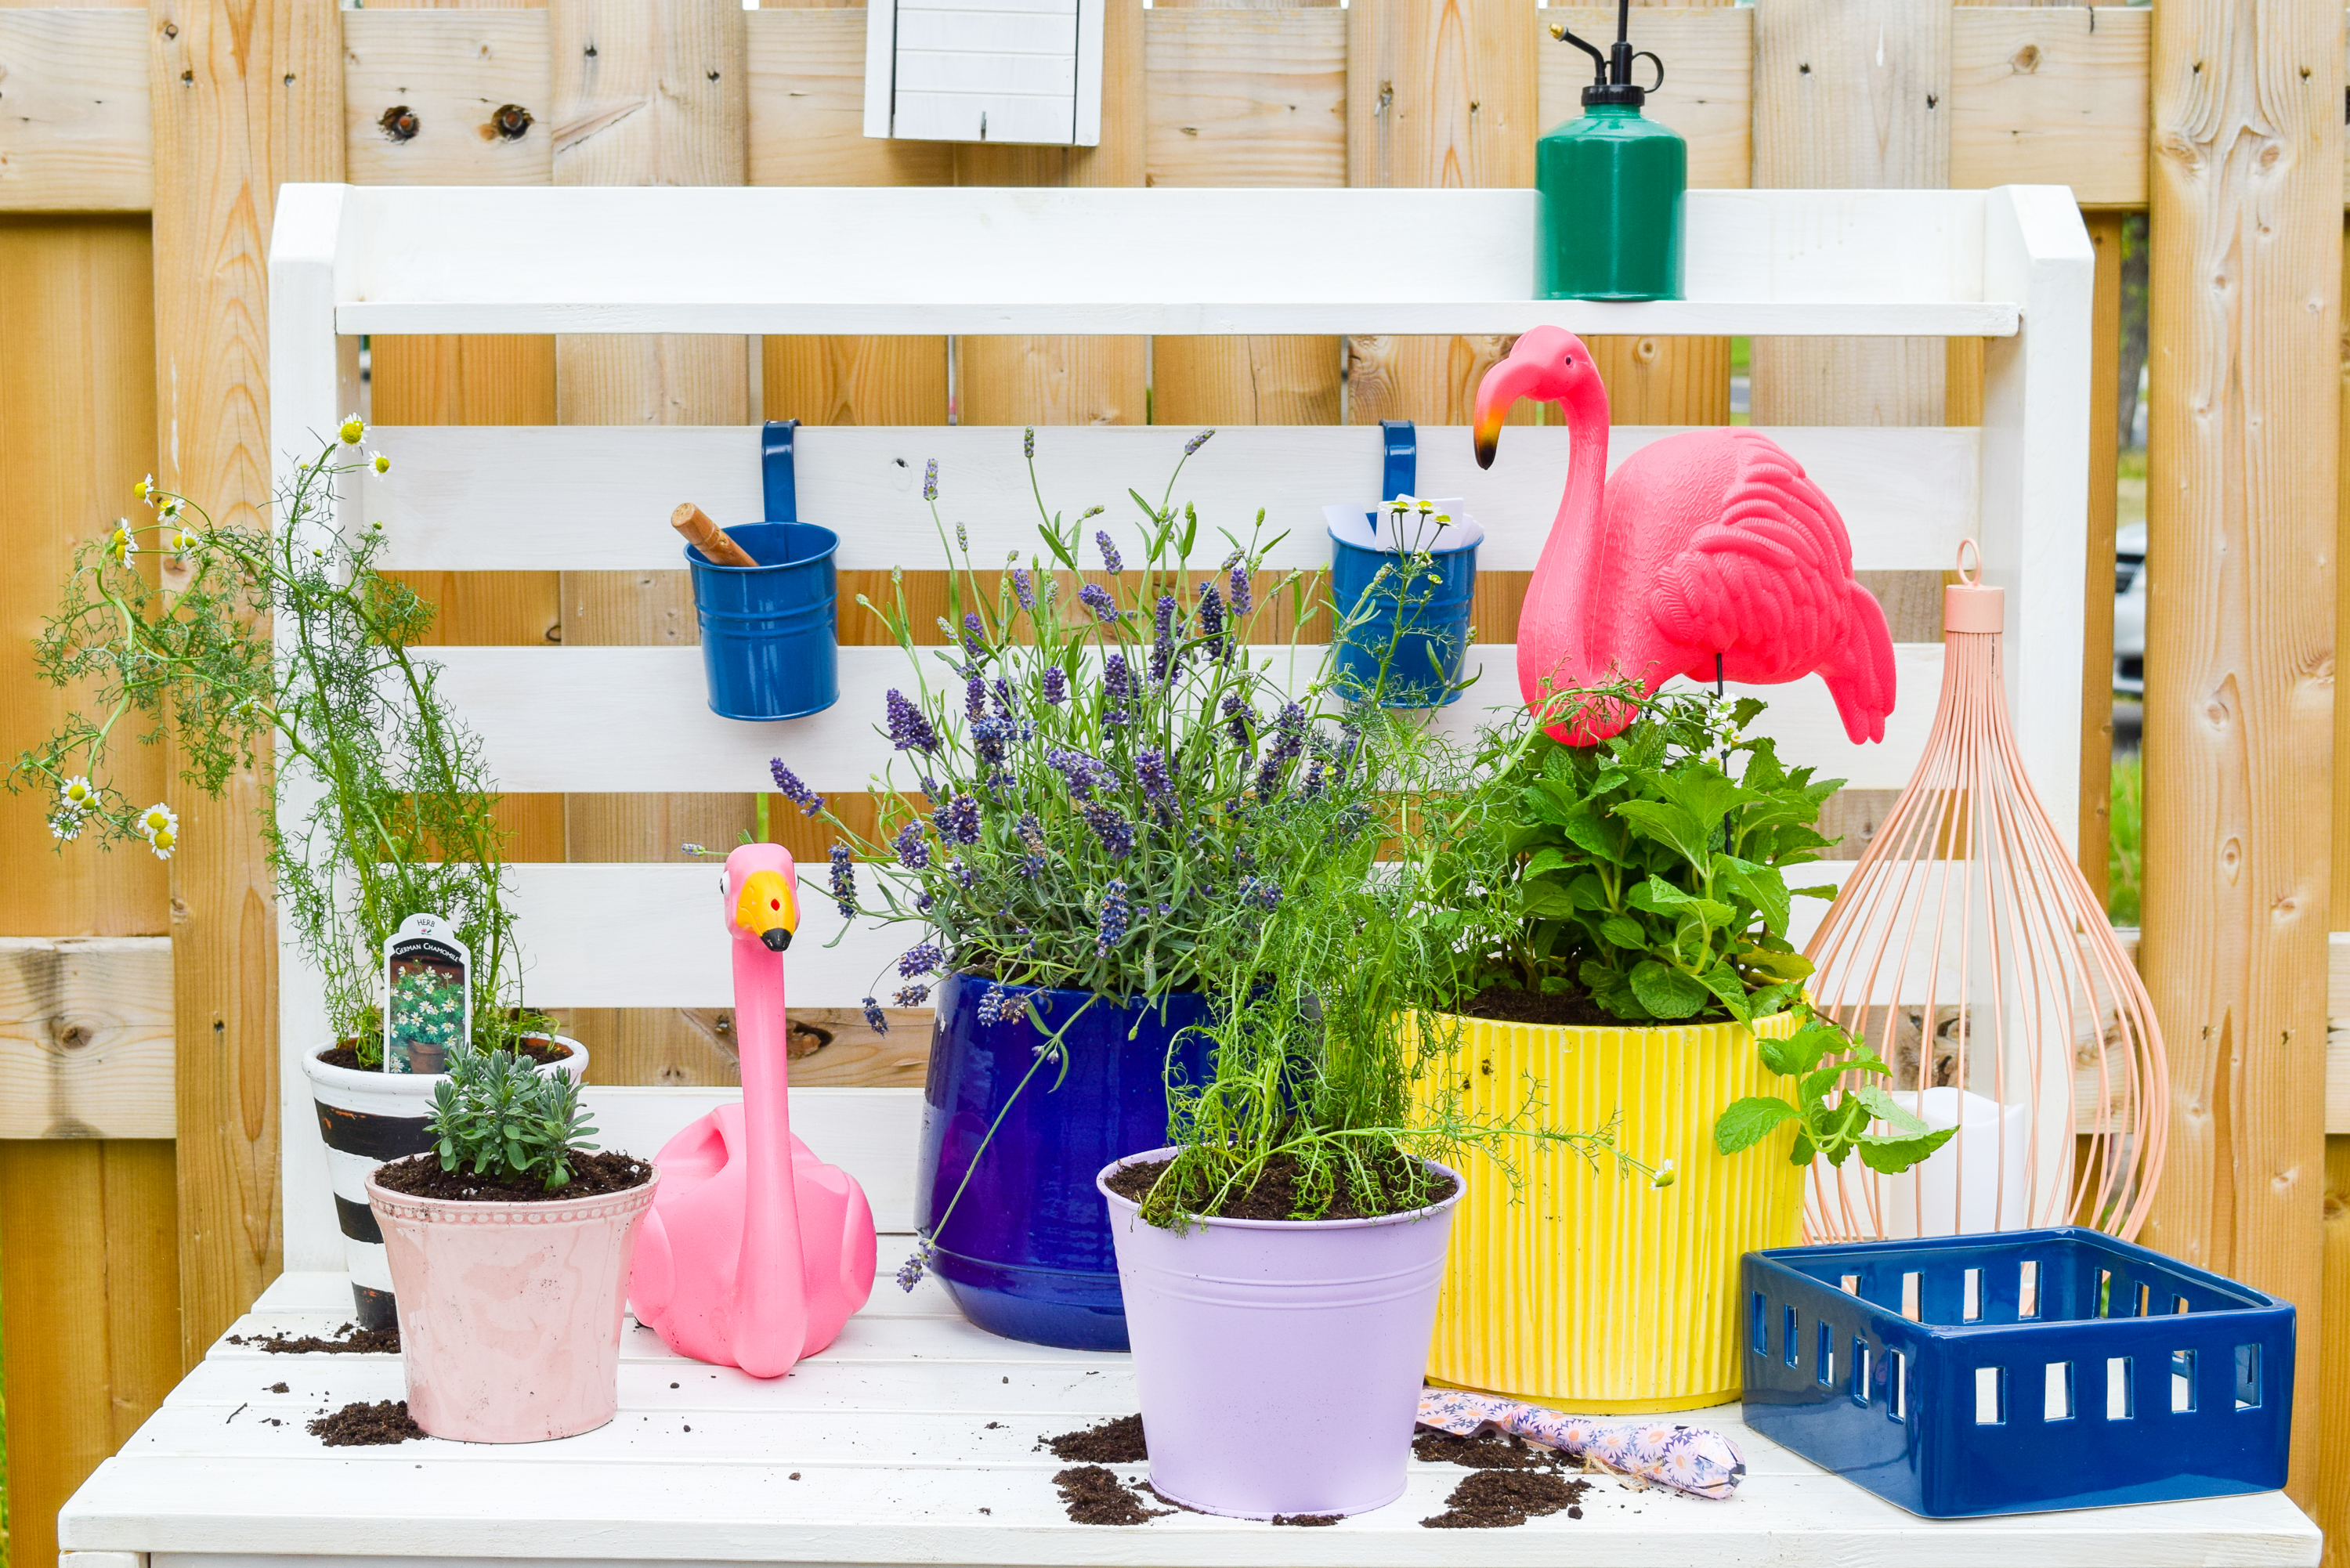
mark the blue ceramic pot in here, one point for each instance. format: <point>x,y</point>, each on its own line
<point>1025,1253</point>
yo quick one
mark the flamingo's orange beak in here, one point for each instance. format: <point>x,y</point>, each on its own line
<point>768,909</point>
<point>1503,385</point>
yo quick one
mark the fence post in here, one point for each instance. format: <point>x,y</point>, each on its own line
<point>2243,417</point>
<point>244,97</point>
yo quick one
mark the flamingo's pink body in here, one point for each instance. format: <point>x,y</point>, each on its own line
<point>1709,544</point>
<point>755,1251</point>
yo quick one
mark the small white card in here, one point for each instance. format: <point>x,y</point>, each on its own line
<point>428,995</point>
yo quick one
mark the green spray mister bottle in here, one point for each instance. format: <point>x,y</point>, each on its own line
<point>1611,185</point>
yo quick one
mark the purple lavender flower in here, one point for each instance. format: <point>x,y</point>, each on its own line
<point>1028,441</point>
<point>1117,833</point>
<point>958,820</point>
<point>920,959</point>
<point>995,1005</point>
<point>1083,774</point>
<point>1095,598</point>
<point>1118,688</point>
<point>963,875</point>
<point>1111,561</point>
<point>1197,441</point>
<point>1211,620</point>
<point>1240,581</point>
<point>878,1022</point>
<point>913,849</point>
<point>1314,782</point>
<point>1031,868</point>
<point>844,882</point>
<point>974,635</point>
<point>989,738</point>
<point>1151,769</point>
<point>1024,588</point>
<point>962,539</point>
<point>1001,691</point>
<point>1162,640</point>
<point>911,1271</point>
<point>922,902</point>
<point>974,697</point>
<point>1265,895</point>
<point>1053,684</point>
<point>1289,739</point>
<point>912,995</point>
<point>798,793</point>
<point>931,480</point>
<point>1115,914</point>
<point>909,728</point>
<point>1240,721</point>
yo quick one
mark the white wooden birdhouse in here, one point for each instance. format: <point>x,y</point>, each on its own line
<point>985,71</point>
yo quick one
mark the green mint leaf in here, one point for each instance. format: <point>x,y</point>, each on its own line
<point>1667,992</point>
<point>1749,1121</point>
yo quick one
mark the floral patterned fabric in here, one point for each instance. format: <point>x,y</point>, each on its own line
<point>1697,1460</point>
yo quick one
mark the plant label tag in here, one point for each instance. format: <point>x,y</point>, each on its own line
<point>428,995</point>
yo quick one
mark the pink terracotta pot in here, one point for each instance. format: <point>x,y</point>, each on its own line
<point>510,1312</point>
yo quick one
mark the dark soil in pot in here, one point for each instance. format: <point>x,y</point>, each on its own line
<point>1510,1006</point>
<point>1496,1500</point>
<point>365,1426</point>
<point>592,1176</point>
<point>345,1054</point>
<point>1274,1195</point>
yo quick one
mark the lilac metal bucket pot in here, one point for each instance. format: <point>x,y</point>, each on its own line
<point>1280,1361</point>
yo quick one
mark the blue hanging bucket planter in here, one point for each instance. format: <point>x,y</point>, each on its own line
<point>768,647</point>
<point>1408,650</point>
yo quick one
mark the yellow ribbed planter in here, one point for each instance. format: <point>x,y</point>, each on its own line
<point>1596,1291</point>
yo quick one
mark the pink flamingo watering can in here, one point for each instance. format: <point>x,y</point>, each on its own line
<point>755,1251</point>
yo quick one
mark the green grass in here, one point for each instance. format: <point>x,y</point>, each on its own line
<point>2129,488</point>
<point>2125,840</point>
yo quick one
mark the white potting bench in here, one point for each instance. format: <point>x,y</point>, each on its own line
<point>912,1440</point>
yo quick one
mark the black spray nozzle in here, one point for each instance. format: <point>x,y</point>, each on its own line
<point>1611,74</point>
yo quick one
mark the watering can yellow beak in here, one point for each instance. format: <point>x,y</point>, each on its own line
<point>768,909</point>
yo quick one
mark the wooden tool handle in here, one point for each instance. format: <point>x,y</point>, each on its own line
<point>707,537</point>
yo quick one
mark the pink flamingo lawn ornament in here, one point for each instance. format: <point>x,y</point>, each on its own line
<point>755,1251</point>
<point>1709,553</point>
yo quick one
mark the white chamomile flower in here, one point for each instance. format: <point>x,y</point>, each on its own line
<point>184,541</point>
<point>353,429</point>
<point>77,794</point>
<point>162,843</point>
<point>145,490</point>
<point>119,544</point>
<point>1664,1176</point>
<point>65,825</point>
<point>168,507</point>
<point>158,818</point>
<point>382,464</point>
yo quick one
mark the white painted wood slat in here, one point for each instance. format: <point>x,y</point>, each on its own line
<point>861,260</point>
<point>621,720</point>
<point>534,498</point>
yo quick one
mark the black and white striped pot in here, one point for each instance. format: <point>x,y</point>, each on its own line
<point>366,1118</point>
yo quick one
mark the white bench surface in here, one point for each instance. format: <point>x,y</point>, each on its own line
<point>915,1440</point>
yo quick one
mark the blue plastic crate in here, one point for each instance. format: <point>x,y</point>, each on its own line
<point>2037,1369</point>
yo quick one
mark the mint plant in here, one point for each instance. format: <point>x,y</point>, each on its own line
<point>497,1117</point>
<point>1819,1056</point>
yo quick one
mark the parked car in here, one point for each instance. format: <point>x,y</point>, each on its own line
<point>2129,610</point>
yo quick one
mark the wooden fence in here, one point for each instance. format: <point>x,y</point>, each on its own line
<point>139,151</point>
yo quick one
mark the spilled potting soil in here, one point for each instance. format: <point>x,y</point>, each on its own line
<point>1486,1450</point>
<point>1498,1499</point>
<point>1117,1441</point>
<point>349,1340</point>
<point>1096,1495</point>
<point>1308,1518</point>
<point>365,1425</point>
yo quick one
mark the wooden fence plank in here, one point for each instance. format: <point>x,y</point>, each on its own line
<point>77,430</point>
<point>1445,96</point>
<point>647,94</point>
<point>2052,95</point>
<point>88,1269</point>
<point>2245,298</point>
<point>1256,97</point>
<point>78,135</point>
<point>244,97</point>
<point>85,1037</point>
<point>2097,605</point>
<point>446,97</point>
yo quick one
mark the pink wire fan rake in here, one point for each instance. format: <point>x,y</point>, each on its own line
<point>1970,952</point>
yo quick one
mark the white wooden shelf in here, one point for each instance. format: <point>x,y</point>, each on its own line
<point>914,1441</point>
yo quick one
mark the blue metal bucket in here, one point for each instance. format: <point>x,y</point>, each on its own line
<point>1407,652</point>
<point>768,647</point>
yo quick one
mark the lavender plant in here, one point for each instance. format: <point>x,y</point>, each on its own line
<point>1102,756</point>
